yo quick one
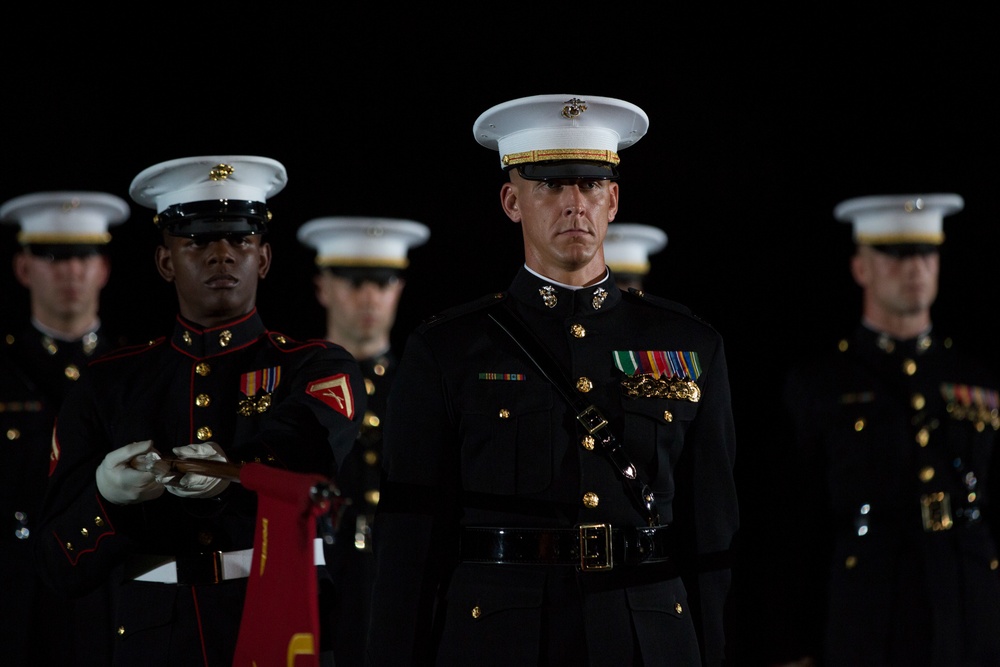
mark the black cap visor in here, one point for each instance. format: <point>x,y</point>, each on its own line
<point>906,249</point>
<point>55,252</point>
<point>358,275</point>
<point>567,169</point>
<point>219,217</point>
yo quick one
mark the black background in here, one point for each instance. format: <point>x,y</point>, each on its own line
<point>759,124</point>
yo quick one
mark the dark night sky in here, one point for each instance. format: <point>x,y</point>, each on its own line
<point>759,125</point>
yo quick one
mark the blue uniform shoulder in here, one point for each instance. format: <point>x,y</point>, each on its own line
<point>637,296</point>
<point>306,348</point>
<point>129,351</point>
<point>467,308</point>
<point>286,342</point>
<point>647,299</point>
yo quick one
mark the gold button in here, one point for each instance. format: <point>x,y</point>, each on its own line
<point>588,442</point>
<point>678,608</point>
<point>371,496</point>
<point>186,337</point>
<point>504,413</point>
<point>909,367</point>
<point>203,369</point>
<point>202,400</point>
<point>72,372</point>
<point>926,474</point>
<point>923,437</point>
<point>121,630</point>
<point>70,547</point>
<point>371,420</point>
<point>225,338</point>
<point>577,330</point>
<point>859,425</point>
<point>918,401</point>
<point>13,434</point>
<point>84,532</point>
<point>994,564</point>
<point>476,612</point>
<point>583,385</point>
<point>668,416</point>
<point>379,369</point>
<point>850,562</point>
<point>590,500</point>
<point>279,337</point>
<point>98,521</point>
<point>369,387</point>
<point>371,457</point>
<point>204,433</point>
<point>843,345</point>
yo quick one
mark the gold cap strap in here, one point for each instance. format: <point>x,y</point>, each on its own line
<point>524,157</point>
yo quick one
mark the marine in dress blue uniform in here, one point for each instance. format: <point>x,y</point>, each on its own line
<point>178,560</point>
<point>894,559</point>
<point>40,365</point>
<point>354,254</point>
<point>505,534</point>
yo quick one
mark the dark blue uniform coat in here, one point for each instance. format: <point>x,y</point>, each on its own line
<point>475,436</point>
<point>893,446</point>
<point>36,371</point>
<point>262,397</point>
<point>350,558</point>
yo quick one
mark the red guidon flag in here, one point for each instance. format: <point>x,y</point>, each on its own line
<point>280,624</point>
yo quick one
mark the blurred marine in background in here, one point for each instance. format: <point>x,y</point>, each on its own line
<point>62,262</point>
<point>361,272</point>
<point>890,542</point>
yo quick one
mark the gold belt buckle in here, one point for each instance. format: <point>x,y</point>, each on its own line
<point>595,546</point>
<point>935,509</point>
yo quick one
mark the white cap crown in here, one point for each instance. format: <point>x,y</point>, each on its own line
<point>899,219</point>
<point>627,247</point>
<point>347,241</point>
<point>550,128</point>
<point>208,177</point>
<point>65,217</point>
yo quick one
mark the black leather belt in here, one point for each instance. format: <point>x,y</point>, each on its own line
<point>590,547</point>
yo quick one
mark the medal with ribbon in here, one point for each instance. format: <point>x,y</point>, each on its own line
<point>659,374</point>
<point>257,387</point>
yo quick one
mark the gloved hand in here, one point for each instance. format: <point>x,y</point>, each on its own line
<point>121,482</point>
<point>194,485</point>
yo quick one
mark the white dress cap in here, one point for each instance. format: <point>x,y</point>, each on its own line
<point>210,194</point>
<point>208,177</point>
<point>627,247</point>
<point>546,128</point>
<point>65,218</point>
<point>896,219</point>
<point>362,242</point>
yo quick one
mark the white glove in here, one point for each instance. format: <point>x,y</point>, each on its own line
<point>123,482</point>
<point>193,485</point>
